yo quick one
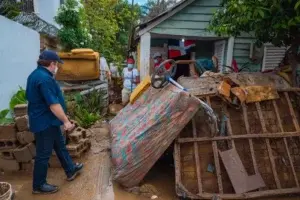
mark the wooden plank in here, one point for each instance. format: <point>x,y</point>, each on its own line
<point>218,168</point>
<point>250,140</point>
<point>193,32</point>
<point>237,173</point>
<point>236,137</point>
<point>180,24</point>
<point>192,9</point>
<point>285,142</point>
<point>192,17</point>
<point>271,157</point>
<point>177,164</point>
<point>196,152</point>
<point>292,112</point>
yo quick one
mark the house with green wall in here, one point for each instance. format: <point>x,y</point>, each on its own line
<point>188,20</point>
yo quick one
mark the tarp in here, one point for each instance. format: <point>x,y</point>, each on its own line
<point>142,131</point>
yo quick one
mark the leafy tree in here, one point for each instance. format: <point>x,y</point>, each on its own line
<point>73,33</point>
<point>109,23</point>
<point>10,9</point>
<point>274,21</point>
<point>155,7</point>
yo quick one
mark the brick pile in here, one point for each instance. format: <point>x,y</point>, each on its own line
<point>17,145</point>
<point>17,148</point>
<point>77,143</point>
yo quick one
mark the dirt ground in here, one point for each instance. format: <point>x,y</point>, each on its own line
<point>94,183</point>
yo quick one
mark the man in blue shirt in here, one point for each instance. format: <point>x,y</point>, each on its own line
<point>46,111</point>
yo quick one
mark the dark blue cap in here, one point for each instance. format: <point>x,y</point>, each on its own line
<point>51,56</point>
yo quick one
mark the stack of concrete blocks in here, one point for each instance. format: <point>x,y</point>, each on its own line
<point>17,149</point>
<point>77,143</point>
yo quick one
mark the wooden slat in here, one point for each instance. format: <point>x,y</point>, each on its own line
<point>235,137</point>
<point>263,125</point>
<point>250,140</point>
<point>296,124</point>
<point>285,142</point>
<point>218,168</point>
<point>196,152</point>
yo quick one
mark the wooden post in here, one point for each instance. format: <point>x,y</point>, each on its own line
<point>192,65</point>
<point>145,55</point>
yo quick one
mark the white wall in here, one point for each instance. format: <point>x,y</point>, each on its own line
<point>19,51</point>
<point>47,10</point>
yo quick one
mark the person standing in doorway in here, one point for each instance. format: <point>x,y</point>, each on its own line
<point>46,111</point>
<point>131,78</point>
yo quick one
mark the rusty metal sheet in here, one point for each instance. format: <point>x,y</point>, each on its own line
<point>237,173</point>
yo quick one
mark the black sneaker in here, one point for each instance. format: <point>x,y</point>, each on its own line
<point>78,167</point>
<point>45,189</point>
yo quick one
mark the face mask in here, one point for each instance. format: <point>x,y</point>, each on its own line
<point>155,61</point>
<point>130,66</point>
<point>55,71</point>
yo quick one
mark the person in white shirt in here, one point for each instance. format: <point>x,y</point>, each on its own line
<point>131,78</point>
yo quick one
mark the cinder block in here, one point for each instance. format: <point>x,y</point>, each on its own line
<point>76,136</point>
<point>20,110</point>
<point>32,149</point>
<point>25,137</point>
<point>9,165</point>
<point>7,155</point>
<point>27,166</point>
<point>24,153</point>
<point>8,132</point>
<point>22,123</point>
<point>76,150</point>
<point>8,144</point>
<point>54,162</point>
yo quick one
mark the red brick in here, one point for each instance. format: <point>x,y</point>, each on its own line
<point>22,123</point>
<point>9,165</point>
<point>24,153</point>
<point>8,132</point>
<point>8,144</point>
<point>20,110</point>
<point>54,162</point>
<point>25,137</point>
<point>7,155</point>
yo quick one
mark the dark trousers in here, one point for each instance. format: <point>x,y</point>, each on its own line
<point>45,142</point>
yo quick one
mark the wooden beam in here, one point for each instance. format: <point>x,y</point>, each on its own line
<point>145,55</point>
<point>271,157</point>
<point>177,163</point>
<point>196,153</point>
<point>237,137</point>
<point>245,114</point>
<point>292,112</point>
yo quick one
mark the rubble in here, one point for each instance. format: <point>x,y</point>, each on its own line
<point>22,123</point>
<point>24,153</point>
<point>8,132</point>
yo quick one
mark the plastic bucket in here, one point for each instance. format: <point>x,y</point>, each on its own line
<point>5,191</point>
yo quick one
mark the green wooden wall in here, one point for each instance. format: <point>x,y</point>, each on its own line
<point>190,21</point>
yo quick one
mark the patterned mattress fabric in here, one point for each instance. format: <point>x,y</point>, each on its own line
<point>142,131</point>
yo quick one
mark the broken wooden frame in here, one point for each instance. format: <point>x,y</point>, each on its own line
<point>272,151</point>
